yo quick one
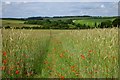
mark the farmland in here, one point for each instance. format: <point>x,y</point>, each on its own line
<point>61,23</point>
<point>89,53</point>
<point>91,22</point>
<point>15,23</point>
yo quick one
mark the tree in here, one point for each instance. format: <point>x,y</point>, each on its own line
<point>116,22</point>
<point>47,21</point>
<point>99,25</point>
<point>95,24</point>
<point>46,26</point>
<point>106,24</point>
<point>84,26</point>
<point>7,27</point>
<point>78,26</point>
<point>69,21</point>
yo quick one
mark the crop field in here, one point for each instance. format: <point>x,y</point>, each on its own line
<point>90,53</point>
<point>15,23</point>
<point>0,51</point>
<point>87,21</point>
<point>91,22</point>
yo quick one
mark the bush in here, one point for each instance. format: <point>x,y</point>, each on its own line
<point>7,27</point>
<point>106,24</point>
<point>116,22</point>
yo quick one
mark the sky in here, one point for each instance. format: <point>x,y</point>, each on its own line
<point>23,8</point>
<point>60,0</point>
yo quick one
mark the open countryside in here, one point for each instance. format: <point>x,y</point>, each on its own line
<point>55,53</point>
<point>61,40</point>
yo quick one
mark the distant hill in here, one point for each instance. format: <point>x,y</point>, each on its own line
<point>54,17</point>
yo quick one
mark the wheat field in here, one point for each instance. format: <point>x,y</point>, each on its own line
<point>90,53</point>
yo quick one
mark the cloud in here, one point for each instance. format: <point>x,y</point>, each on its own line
<point>0,9</point>
<point>63,0</point>
<point>7,2</point>
<point>25,2</point>
<point>57,8</point>
<point>102,6</point>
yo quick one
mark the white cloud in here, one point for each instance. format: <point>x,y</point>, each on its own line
<point>25,2</point>
<point>7,2</point>
<point>102,6</point>
<point>55,9</point>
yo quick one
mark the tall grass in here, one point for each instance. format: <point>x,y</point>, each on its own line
<point>0,51</point>
<point>60,53</point>
<point>24,51</point>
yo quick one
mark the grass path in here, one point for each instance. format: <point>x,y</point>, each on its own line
<point>55,48</point>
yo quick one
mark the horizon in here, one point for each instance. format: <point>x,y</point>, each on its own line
<point>51,9</point>
<point>54,16</point>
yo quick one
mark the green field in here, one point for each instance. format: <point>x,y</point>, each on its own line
<point>15,23</point>
<point>85,20</point>
<point>90,53</point>
<point>91,22</point>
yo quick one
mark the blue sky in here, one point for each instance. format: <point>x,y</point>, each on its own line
<point>28,9</point>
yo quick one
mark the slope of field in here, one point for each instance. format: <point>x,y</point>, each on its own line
<point>16,23</point>
<point>60,53</point>
<point>90,22</point>
<point>83,20</point>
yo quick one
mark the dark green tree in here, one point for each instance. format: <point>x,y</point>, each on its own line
<point>116,22</point>
<point>106,24</point>
<point>95,24</point>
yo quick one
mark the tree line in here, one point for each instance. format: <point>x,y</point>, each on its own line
<point>67,24</point>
